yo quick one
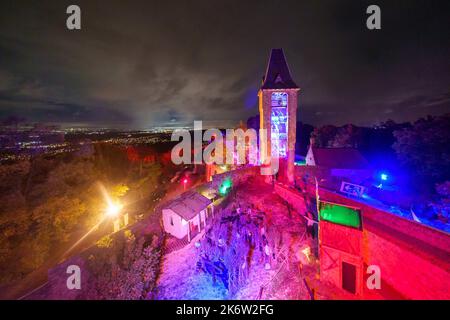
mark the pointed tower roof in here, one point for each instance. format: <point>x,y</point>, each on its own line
<point>277,72</point>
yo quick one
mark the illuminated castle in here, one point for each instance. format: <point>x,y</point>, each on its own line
<point>278,111</point>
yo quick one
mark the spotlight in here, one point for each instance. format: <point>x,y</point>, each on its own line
<point>113,210</point>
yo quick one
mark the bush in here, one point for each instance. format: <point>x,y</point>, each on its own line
<point>125,269</point>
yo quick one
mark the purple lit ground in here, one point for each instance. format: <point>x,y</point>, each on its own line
<point>180,279</point>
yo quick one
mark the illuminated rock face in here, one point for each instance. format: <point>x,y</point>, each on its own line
<point>278,99</point>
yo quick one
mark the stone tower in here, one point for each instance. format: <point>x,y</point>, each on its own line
<point>278,112</point>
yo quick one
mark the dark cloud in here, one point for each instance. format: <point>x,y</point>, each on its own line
<point>152,63</point>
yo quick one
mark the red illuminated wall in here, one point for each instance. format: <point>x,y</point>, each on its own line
<point>340,244</point>
<point>414,259</point>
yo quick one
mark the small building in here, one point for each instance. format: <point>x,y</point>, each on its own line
<point>187,215</point>
<point>341,246</point>
<point>340,162</point>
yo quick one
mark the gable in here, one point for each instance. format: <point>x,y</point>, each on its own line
<point>188,205</point>
<point>310,158</point>
<point>277,74</point>
<point>339,158</point>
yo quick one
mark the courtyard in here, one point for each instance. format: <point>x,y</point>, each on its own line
<point>256,247</point>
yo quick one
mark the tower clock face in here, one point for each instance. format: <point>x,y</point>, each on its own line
<point>279,123</point>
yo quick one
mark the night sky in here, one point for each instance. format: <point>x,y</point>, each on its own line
<point>139,64</point>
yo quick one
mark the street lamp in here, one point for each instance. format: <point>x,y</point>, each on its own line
<point>113,210</point>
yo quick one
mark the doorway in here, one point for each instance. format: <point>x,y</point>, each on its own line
<point>349,277</point>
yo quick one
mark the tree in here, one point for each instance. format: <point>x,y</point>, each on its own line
<point>348,136</point>
<point>49,201</point>
<point>125,267</point>
<point>423,148</point>
<point>67,217</point>
<point>35,250</point>
<point>143,186</point>
<point>303,133</point>
<point>321,136</point>
<point>119,190</point>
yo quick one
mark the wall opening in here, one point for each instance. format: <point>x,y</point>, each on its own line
<point>349,277</point>
<point>279,123</point>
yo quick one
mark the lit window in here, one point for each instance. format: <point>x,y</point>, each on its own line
<point>279,123</point>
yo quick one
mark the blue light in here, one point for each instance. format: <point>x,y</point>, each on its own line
<point>384,176</point>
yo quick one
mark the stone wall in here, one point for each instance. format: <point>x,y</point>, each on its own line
<point>292,196</point>
<point>414,259</point>
<point>237,176</point>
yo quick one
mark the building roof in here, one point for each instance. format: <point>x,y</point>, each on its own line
<point>188,205</point>
<point>277,73</point>
<point>339,158</point>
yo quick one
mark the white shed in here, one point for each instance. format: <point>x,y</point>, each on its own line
<point>187,215</point>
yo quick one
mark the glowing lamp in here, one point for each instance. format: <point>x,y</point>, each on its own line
<point>113,209</point>
<point>307,252</point>
<point>225,187</point>
<point>185,181</point>
<point>384,176</point>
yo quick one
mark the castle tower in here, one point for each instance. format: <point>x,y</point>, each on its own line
<point>278,111</point>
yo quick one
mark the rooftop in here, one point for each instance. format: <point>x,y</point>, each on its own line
<point>188,205</point>
<point>277,74</point>
<point>339,158</point>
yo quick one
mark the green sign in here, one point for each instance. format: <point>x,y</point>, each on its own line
<point>340,214</point>
<point>225,187</point>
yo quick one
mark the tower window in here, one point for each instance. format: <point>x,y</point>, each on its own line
<point>279,123</point>
<point>279,99</point>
